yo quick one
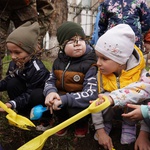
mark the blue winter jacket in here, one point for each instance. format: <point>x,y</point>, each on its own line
<point>96,27</point>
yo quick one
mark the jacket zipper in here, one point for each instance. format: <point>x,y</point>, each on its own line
<point>64,73</point>
<point>118,82</point>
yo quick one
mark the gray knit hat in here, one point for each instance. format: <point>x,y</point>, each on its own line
<point>117,43</point>
<point>25,36</point>
<point>68,30</point>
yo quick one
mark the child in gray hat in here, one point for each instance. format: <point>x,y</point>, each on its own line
<point>122,79</point>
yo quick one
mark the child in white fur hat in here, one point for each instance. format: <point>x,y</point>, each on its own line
<point>123,79</point>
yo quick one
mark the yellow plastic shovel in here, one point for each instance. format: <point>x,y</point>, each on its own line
<point>38,142</point>
<point>15,119</point>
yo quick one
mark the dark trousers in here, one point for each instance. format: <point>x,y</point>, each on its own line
<point>65,113</point>
<point>16,87</point>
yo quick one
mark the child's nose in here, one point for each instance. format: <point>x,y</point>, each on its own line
<point>77,42</point>
<point>13,56</point>
<point>98,62</point>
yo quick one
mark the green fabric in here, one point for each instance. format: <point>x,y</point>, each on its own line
<point>25,36</point>
<point>68,30</point>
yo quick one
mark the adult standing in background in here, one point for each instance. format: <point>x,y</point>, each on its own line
<point>19,12</point>
<point>96,26</point>
<point>134,13</point>
<point>44,9</point>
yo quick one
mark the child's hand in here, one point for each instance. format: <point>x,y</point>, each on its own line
<point>56,105</point>
<point>104,139</point>
<point>101,99</point>
<point>2,110</point>
<point>91,101</point>
<point>8,105</point>
<point>49,100</point>
<point>142,142</point>
<point>136,114</point>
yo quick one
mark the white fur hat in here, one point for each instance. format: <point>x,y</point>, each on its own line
<point>117,43</point>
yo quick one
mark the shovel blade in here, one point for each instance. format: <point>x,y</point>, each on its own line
<point>35,144</point>
<point>37,111</point>
<point>15,119</point>
<point>19,121</point>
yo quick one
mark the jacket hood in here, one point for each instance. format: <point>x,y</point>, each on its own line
<point>135,59</point>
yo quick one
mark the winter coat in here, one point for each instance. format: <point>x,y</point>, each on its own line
<point>134,13</point>
<point>95,35</point>
<point>34,74</point>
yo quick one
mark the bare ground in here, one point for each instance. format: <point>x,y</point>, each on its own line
<point>11,138</point>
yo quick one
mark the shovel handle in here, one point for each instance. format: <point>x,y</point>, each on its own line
<point>8,110</point>
<point>93,108</point>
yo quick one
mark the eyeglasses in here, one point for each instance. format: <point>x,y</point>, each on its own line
<point>75,40</point>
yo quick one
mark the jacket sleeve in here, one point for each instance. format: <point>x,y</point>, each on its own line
<point>145,111</point>
<point>3,84</point>
<point>97,119</point>
<point>145,123</point>
<point>50,85</point>
<point>96,27</point>
<point>133,93</point>
<point>36,79</point>
<point>144,127</point>
<point>89,92</point>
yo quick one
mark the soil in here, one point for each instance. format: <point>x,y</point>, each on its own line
<point>11,138</point>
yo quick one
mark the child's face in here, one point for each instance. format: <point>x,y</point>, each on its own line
<point>18,55</point>
<point>106,65</point>
<point>76,47</point>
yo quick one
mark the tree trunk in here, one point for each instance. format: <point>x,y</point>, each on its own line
<point>59,16</point>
